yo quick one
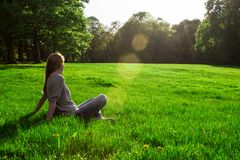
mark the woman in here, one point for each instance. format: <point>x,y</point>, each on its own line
<point>59,97</point>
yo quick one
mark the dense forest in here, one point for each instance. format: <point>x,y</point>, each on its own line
<point>31,30</point>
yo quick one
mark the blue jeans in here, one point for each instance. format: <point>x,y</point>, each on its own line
<point>92,107</point>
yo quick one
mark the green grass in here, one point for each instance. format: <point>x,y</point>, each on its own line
<point>164,111</point>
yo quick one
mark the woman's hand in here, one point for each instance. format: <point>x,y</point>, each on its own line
<point>40,103</point>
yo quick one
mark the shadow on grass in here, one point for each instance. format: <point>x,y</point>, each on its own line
<point>5,67</point>
<point>10,129</point>
<point>227,66</point>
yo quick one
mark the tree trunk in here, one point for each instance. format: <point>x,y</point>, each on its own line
<point>10,49</point>
<point>54,49</point>
<point>73,58</point>
<point>1,54</point>
<point>29,54</point>
<point>28,51</point>
<point>86,57</point>
<point>36,50</point>
<point>20,51</point>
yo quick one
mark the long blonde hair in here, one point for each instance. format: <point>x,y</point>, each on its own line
<point>54,62</point>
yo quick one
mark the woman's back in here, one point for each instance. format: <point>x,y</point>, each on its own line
<point>57,91</point>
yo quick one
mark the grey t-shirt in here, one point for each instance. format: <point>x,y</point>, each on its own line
<point>57,91</point>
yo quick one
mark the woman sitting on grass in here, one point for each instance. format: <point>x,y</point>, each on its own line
<point>58,94</point>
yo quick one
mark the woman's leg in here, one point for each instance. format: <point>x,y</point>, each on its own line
<point>92,107</point>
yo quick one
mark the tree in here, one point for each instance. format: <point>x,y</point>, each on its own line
<point>97,31</point>
<point>109,35</point>
<point>144,36</point>
<point>60,25</point>
<point>161,47</point>
<point>100,49</point>
<point>218,38</point>
<point>185,39</point>
<point>10,24</point>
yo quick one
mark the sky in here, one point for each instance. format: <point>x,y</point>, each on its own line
<point>172,11</point>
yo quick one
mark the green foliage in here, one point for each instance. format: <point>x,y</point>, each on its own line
<point>144,38</point>
<point>218,38</point>
<point>56,25</point>
<point>102,40</point>
<point>60,25</point>
<point>10,20</point>
<point>144,27</point>
<point>161,112</point>
<point>185,37</point>
<point>97,31</point>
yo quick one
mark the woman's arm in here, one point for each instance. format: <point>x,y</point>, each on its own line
<point>51,109</point>
<point>40,103</point>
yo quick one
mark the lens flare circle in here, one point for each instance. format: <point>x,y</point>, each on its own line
<point>126,69</point>
<point>129,58</point>
<point>139,42</point>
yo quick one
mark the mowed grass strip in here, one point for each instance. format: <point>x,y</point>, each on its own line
<point>162,111</point>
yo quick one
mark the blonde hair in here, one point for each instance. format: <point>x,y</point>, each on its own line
<point>54,62</point>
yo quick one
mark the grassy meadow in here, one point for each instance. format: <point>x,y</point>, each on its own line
<point>161,111</point>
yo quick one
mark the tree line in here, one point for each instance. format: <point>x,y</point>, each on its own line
<point>32,30</point>
<point>143,38</point>
<point>214,40</point>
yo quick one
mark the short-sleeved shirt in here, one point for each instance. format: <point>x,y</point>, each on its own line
<point>57,91</point>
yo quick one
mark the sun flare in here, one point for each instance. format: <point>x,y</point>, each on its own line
<point>139,42</point>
